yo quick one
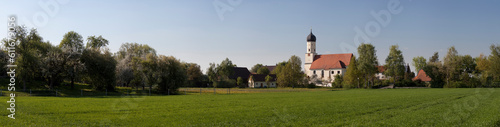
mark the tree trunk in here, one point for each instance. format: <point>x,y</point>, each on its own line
<point>51,85</point>
<point>24,85</point>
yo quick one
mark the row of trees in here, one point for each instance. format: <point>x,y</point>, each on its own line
<point>462,70</point>
<point>361,71</point>
<point>43,65</point>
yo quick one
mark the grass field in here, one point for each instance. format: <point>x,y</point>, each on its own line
<point>388,107</point>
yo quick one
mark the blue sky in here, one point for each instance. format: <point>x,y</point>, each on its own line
<point>263,31</point>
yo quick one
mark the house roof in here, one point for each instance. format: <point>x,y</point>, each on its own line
<point>262,77</point>
<point>381,69</point>
<point>422,76</point>
<point>270,68</point>
<point>240,72</point>
<point>331,61</point>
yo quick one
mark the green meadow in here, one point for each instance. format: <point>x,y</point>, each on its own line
<point>375,107</point>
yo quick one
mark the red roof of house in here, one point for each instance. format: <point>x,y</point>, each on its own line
<point>381,69</point>
<point>422,76</point>
<point>331,61</point>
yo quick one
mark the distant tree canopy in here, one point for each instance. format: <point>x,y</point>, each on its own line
<point>419,62</point>
<point>289,73</point>
<point>395,64</point>
<point>255,68</point>
<point>219,74</point>
<point>263,70</point>
<point>133,65</point>
<point>367,63</point>
<point>351,78</point>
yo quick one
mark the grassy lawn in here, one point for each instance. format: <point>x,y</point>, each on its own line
<point>388,107</point>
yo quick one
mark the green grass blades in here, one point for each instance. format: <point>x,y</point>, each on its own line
<point>389,107</point>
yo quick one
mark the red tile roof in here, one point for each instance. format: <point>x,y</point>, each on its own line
<point>331,61</point>
<point>422,76</point>
<point>381,69</point>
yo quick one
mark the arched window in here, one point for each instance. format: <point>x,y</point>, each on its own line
<point>314,72</point>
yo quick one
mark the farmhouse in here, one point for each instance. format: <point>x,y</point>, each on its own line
<point>325,66</point>
<point>259,81</point>
<point>380,74</point>
<point>240,72</point>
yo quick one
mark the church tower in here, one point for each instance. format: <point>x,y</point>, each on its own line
<point>311,52</point>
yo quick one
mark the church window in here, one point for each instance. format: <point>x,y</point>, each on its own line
<point>338,72</point>
<point>314,72</point>
<point>333,72</point>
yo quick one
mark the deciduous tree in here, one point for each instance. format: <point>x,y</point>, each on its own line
<point>367,62</point>
<point>394,63</point>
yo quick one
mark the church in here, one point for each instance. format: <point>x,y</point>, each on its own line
<point>324,66</point>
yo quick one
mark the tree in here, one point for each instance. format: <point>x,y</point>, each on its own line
<point>171,74</point>
<point>30,47</point>
<point>367,62</point>
<point>419,62</point>
<point>289,73</point>
<point>352,75</point>
<point>483,68</point>
<point>240,82</point>
<point>72,47</point>
<point>451,65</point>
<point>194,74</point>
<point>219,74</point>
<point>494,60</point>
<point>268,79</point>
<point>255,68</point>
<point>101,69</point>
<point>130,57</point>
<point>263,70</point>
<point>433,70</point>
<point>434,58</point>
<point>150,69</point>
<point>338,81</point>
<point>96,42</point>
<point>395,65</point>
<point>52,69</point>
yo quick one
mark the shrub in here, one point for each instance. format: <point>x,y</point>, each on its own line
<point>311,85</point>
<point>228,83</point>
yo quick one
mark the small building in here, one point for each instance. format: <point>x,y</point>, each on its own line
<point>259,81</point>
<point>380,74</point>
<point>422,76</point>
<point>240,72</point>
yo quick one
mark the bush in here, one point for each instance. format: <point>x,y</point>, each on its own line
<point>228,83</point>
<point>455,84</point>
<point>381,83</point>
<point>405,83</point>
<point>311,85</point>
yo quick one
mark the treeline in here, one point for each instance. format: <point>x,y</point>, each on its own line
<point>462,71</point>
<point>288,73</point>
<point>43,65</point>
<point>455,71</point>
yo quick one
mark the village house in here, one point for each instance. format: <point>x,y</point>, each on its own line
<point>259,81</point>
